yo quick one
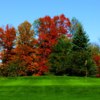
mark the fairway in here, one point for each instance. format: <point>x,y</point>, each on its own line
<point>49,88</point>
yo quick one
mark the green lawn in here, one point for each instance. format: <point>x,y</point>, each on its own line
<point>49,88</point>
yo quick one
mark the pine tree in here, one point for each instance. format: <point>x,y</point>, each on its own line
<point>82,58</point>
<point>59,60</point>
<point>80,40</point>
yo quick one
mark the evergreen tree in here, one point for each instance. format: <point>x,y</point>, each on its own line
<point>82,57</point>
<point>59,60</point>
<point>80,39</point>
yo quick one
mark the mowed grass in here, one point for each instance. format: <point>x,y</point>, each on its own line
<point>50,88</point>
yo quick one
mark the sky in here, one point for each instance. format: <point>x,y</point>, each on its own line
<point>14,12</point>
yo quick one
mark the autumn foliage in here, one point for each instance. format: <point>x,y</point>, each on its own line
<point>7,41</point>
<point>7,38</point>
<point>26,51</point>
<point>97,61</point>
<point>50,29</point>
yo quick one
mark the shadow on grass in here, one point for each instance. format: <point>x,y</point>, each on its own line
<point>49,92</point>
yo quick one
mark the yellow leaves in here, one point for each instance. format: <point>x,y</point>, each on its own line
<point>25,34</point>
<point>24,27</point>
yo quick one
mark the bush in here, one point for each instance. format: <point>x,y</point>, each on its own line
<point>13,68</point>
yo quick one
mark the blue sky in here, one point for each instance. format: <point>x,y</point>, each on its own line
<point>14,12</point>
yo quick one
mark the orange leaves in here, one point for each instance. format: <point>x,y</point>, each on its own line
<point>25,33</point>
<point>26,47</point>
<point>24,27</point>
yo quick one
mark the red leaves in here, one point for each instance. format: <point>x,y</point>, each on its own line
<point>69,35</point>
<point>29,53</point>
<point>96,58</point>
<point>7,38</point>
<point>50,30</point>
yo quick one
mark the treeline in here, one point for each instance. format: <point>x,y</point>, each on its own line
<point>49,46</point>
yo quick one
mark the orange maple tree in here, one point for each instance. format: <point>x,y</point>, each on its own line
<point>25,51</point>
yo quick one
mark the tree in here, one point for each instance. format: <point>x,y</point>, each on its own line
<point>25,51</point>
<point>7,43</point>
<point>49,30</point>
<point>96,58</point>
<point>59,59</point>
<point>7,38</point>
<point>82,57</point>
<point>95,49</point>
<point>80,40</point>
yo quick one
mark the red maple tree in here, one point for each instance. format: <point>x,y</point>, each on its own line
<point>96,58</point>
<point>7,41</point>
<point>50,29</point>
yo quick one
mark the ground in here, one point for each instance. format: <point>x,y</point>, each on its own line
<point>50,88</point>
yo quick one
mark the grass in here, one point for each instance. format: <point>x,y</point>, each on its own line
<point>49,88</point>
